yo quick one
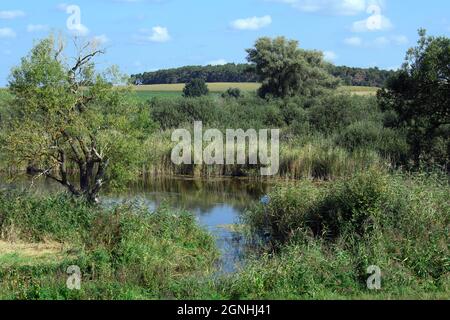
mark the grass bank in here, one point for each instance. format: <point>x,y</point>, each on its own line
<point>123,253</point>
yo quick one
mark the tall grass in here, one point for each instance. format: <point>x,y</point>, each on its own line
<point>324,238</point>
<point>123,252</point>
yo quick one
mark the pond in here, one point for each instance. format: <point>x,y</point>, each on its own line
<point>216,203</point>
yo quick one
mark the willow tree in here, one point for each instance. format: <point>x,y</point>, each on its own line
<point>286,70</point>
<point>62,124</point>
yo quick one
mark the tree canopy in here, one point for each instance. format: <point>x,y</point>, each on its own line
<point>61,124</point>
<point>286,70</point>
<point>195,88</point>
<point>419,96</point>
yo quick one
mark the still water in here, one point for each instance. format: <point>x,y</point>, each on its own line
<point>216,203</point>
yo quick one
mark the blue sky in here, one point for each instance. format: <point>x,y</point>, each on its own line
<point>143,35</point>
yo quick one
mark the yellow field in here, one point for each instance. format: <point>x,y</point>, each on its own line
<point>223,86</point>
<point>360,91</point>
<point>218,87</point>
<point>213,87</point>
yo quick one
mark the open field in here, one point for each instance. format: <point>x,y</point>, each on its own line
<point>213,87</point>
<point>146,92</point>
<point>223,86</point>
<point>360,91</point>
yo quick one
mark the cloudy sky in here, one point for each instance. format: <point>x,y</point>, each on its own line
<point>142,35</point>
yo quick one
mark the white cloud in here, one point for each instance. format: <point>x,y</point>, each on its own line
<point>79,30</point>
<point>219,62</point>
<point>12,14</point>
<point>7,33</point>
<point>330,56</point>
<point>160,34</point>
<point>384,41</point>
<point>253,23</point>
<point>37,27</point>
<point>157,34</point>
<point>381,41</point>
<point>400,40</point>
<point>378,42</point>
<point>62,6</point>
<point>375,22</point>
<point>100,40</point>
<point>354,41</point>
<point>337,7</point>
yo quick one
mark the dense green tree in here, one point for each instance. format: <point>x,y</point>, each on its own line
<point>419,97</point>
<point>61,124</point>
<point>195,88</point>
<point>372,77</point>
<point>227,73</point>
<point>286,70</point>
<point>232,93</point>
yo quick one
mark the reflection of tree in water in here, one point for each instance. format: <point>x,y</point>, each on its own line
<point>201,195</point>
<point>216,202</point>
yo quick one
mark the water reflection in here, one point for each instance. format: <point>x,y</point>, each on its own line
<point>217,204</point>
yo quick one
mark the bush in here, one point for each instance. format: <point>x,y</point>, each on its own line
<point>332,113</point>
<point>324,238</point>
<point>195,88</point>
<point>232,93</point>
<point>174,113</point>
<point>361,134</point>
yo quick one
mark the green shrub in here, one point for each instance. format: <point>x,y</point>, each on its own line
<point>232,93</point>
<point>332,113</point>
<point>326,236</point>
<point>195,88</point>
<point>361,134</point>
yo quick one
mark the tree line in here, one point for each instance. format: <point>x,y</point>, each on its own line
<point>231,72</point>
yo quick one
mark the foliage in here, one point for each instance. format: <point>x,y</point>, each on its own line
<point>285,70</point>
<point>419,98</point>
<point>195,88</point>
<point>351,76</point>
<point>68,119</point>
<point>324,238</point>
<point>361,77</point>
<point>227,73</point>
<point>232,93</point>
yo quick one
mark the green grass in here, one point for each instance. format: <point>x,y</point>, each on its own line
<point>123,253</point>
<point>361,91</point>
<point>325,236</point>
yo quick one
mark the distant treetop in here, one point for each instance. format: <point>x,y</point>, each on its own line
<point>372,77</point>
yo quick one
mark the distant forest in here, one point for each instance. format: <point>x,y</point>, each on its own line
<point>231,72</point>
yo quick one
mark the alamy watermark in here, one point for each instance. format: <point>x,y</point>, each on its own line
<point>241,148</point>
<point>74,280</point>
<point>374,281</point>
